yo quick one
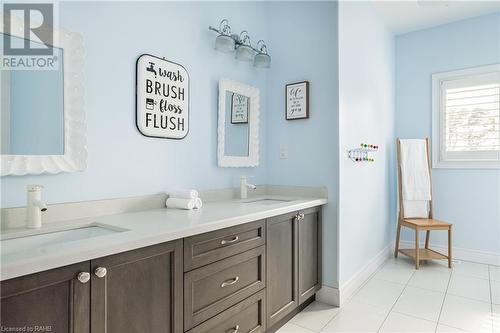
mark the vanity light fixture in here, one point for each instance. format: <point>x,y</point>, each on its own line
<point>262,58</point>
<point>244,51</point>
<point>224,42</point>
<point>241,45</point>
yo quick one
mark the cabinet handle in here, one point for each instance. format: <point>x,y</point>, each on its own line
<point>229,282</point>
<point>100,272</point>
<point>299,216</point>
<point>234,239</point>
<point>234,329</point>
<point>83,277</point>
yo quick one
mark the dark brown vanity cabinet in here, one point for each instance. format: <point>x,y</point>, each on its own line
<point>223,270</point>
<point>309,248</point>
<point>293,262</point>
<point>248,278</point>
<point>50,301</point>
<point>213,288</point>
<point>136,291</point>
<point>282,267</point>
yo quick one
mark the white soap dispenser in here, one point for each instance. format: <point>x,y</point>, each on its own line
<point>34,206</point>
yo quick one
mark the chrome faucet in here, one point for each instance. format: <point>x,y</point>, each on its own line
<point>35,206</point>
<point>244,185</point>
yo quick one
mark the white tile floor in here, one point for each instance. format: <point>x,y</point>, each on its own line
<point>400,299</point>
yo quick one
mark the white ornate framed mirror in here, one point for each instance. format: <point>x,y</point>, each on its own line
<point>238,126</point>
<point>43,127</point>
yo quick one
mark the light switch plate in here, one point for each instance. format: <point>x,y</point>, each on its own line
<point>283,152</point>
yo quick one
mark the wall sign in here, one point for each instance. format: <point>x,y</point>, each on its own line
<point>162,98</point>
<point>297,100</point>
<point>239,109</point>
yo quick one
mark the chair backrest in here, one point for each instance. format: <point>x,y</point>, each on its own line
<point>400,186</point>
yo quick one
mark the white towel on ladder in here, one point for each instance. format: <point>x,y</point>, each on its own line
<point>415,178</point>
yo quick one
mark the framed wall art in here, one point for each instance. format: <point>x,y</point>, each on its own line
<point>162,98</point>
<point>297,100</point>
<point>239,109</point>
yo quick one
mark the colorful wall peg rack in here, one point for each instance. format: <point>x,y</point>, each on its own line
<point>362,154</point>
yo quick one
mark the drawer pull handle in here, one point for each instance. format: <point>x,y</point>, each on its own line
<point>234,329</point>
<point>229,282</point>
<point>234,239</point>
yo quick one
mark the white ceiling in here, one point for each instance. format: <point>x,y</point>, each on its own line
<point>411,15</point>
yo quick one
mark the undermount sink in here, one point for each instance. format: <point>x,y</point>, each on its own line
<point>267,201</point>
<point>37,241</point>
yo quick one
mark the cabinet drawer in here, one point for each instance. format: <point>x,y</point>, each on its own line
<point>248,316</point>
<point>207,248</point>
<point>212,289</point>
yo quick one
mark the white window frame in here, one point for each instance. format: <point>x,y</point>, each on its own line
<point>476,159</point>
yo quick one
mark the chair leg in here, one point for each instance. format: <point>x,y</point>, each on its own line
<point>427,236</point>
<point>398,233</point>
<point>417,252</point>
<point>449,248</point>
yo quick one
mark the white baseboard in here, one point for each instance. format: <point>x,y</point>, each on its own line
<point>328,295</point>
<point>348,289</point>
<point>338,296</point>
<point>482,257</point>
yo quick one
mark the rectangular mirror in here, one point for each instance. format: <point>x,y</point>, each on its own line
<point>42,120</point>
<point>34,124</point>
<point>238,140</point>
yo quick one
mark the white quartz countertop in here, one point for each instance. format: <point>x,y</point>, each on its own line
<point>142,229</point>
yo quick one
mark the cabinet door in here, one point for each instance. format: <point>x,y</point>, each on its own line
<point>141,291</point>
<point>282,261</point>
<point>309,253</point>
<point>50,301</point>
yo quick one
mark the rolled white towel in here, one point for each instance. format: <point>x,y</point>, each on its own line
<point>184,194</point>
<point>198,203</point>
<point>180,203</point>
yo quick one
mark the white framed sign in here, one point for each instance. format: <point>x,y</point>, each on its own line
<point>239,109</point>
<point>297,100</point>
<point>162,98</point>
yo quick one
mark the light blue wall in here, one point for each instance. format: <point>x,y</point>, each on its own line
<point>122,162</point>
<point>303,43</point>
<point>367,115</point>
<point>470,199</point>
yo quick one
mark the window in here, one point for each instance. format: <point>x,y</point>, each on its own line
<point>466,118</point>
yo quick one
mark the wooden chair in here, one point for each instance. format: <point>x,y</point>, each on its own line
<point>420,224</point>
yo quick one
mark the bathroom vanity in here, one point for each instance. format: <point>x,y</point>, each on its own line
<point>248,268</point>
